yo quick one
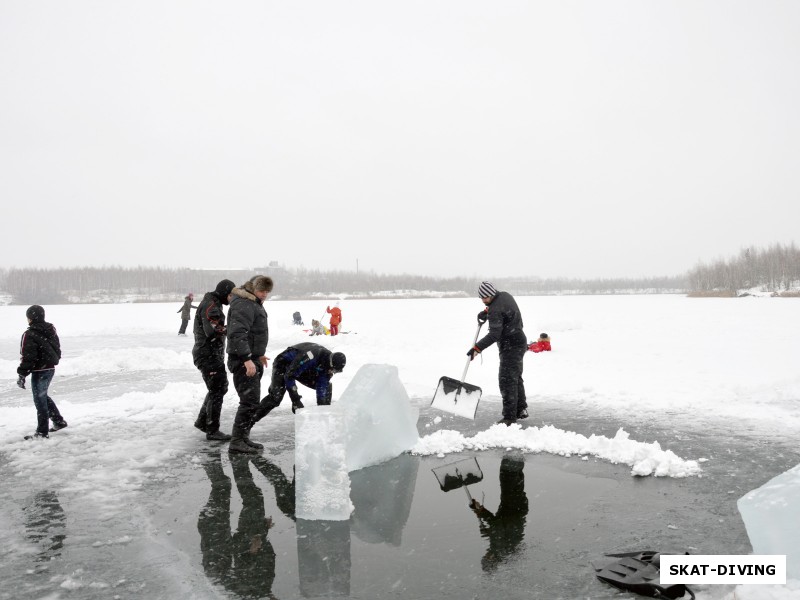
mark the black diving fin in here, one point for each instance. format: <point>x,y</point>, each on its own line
<point>638,572</point>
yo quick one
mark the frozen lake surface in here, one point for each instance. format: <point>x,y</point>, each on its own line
<point>130,501</point>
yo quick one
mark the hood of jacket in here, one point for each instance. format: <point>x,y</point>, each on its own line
<point>243,293</point>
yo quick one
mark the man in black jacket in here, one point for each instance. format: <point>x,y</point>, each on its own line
<point>505,328</point>
<point>248,334</point>
<point>310,364</point>
<point>209,357</point>
<point>40,351</point>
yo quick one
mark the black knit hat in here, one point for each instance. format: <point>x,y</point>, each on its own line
<point>35,313</point>
<point>224,288</point>
<point>338,361</point>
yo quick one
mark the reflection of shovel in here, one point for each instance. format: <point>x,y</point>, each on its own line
<point>459,474</point>
<point>457,397</point>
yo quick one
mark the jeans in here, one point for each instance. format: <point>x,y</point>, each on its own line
<point>45,407</point>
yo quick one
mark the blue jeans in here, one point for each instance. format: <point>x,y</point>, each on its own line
<point>45,407</point>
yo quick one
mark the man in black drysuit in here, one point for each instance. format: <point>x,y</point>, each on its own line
<point>310,364</point>
<point>209,357</point>
<point>505,328</point>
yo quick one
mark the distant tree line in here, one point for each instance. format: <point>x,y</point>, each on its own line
<point>772,269</point>
<point>157,284</point>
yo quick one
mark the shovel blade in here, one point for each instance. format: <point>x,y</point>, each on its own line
<point>458,474</point>
<point>457,397</point>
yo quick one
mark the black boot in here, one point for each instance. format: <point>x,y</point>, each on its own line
<point>238,444</point>
<point>60,424</point>
<point>200,421</point>
<point>212,422</point>
<point>251,443</point>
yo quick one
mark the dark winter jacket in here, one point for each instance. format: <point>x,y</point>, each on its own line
<point>310,364</point>
<point>40,349</point>
<point>186,309</point>
<point>248,331</point>
<point>209,333</point>
<point>505,324</point>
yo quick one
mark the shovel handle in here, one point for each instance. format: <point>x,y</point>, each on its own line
<point>469,359</point>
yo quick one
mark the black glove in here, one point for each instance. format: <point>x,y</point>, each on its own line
<point>473,352</point>
<point>295,397</point>
<point>21,382</point>
<point>482,316</point>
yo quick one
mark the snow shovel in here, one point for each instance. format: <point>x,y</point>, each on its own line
<point>459,474</point>
<point>457,397</point>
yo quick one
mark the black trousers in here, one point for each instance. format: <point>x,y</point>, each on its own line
<point>249,391</point>
<point>512,386</point>
<point>184,323</point>
<point>216,380</point>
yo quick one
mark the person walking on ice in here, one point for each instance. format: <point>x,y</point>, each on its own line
<point>186,312</point>
<point>40,352</point>
<point>248,335</point>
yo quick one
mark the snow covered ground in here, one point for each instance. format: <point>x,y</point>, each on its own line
<point>128,389</point>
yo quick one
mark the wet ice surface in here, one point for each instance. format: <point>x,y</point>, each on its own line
<point>200,531</point>
<point>127,501</point>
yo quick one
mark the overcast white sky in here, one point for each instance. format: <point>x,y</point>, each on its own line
<point>454,137</point>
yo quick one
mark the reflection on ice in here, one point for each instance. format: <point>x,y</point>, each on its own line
<point>45,524</point>
<point>458,474</point>
<point>505,528</point>
<point>242,562</point>
<point>382,496</point>
<point>323,553</point>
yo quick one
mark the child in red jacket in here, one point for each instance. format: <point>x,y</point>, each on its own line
<point>540,345</point>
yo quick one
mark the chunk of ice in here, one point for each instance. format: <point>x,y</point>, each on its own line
<point>771,515</point>
<point>322,485</point>
<point>380,420</point>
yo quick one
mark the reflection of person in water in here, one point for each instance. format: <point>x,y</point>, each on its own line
<point>214,523</point>
<point>505,528</point>
<point>284,489</point>
<point>243,562</point>
<point>45,523</point>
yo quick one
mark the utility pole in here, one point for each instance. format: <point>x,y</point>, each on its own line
<point>356,266</point>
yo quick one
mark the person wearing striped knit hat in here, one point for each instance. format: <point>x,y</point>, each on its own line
<point>505,329</point>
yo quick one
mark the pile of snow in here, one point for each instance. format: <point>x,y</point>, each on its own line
<point>645,459</point>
